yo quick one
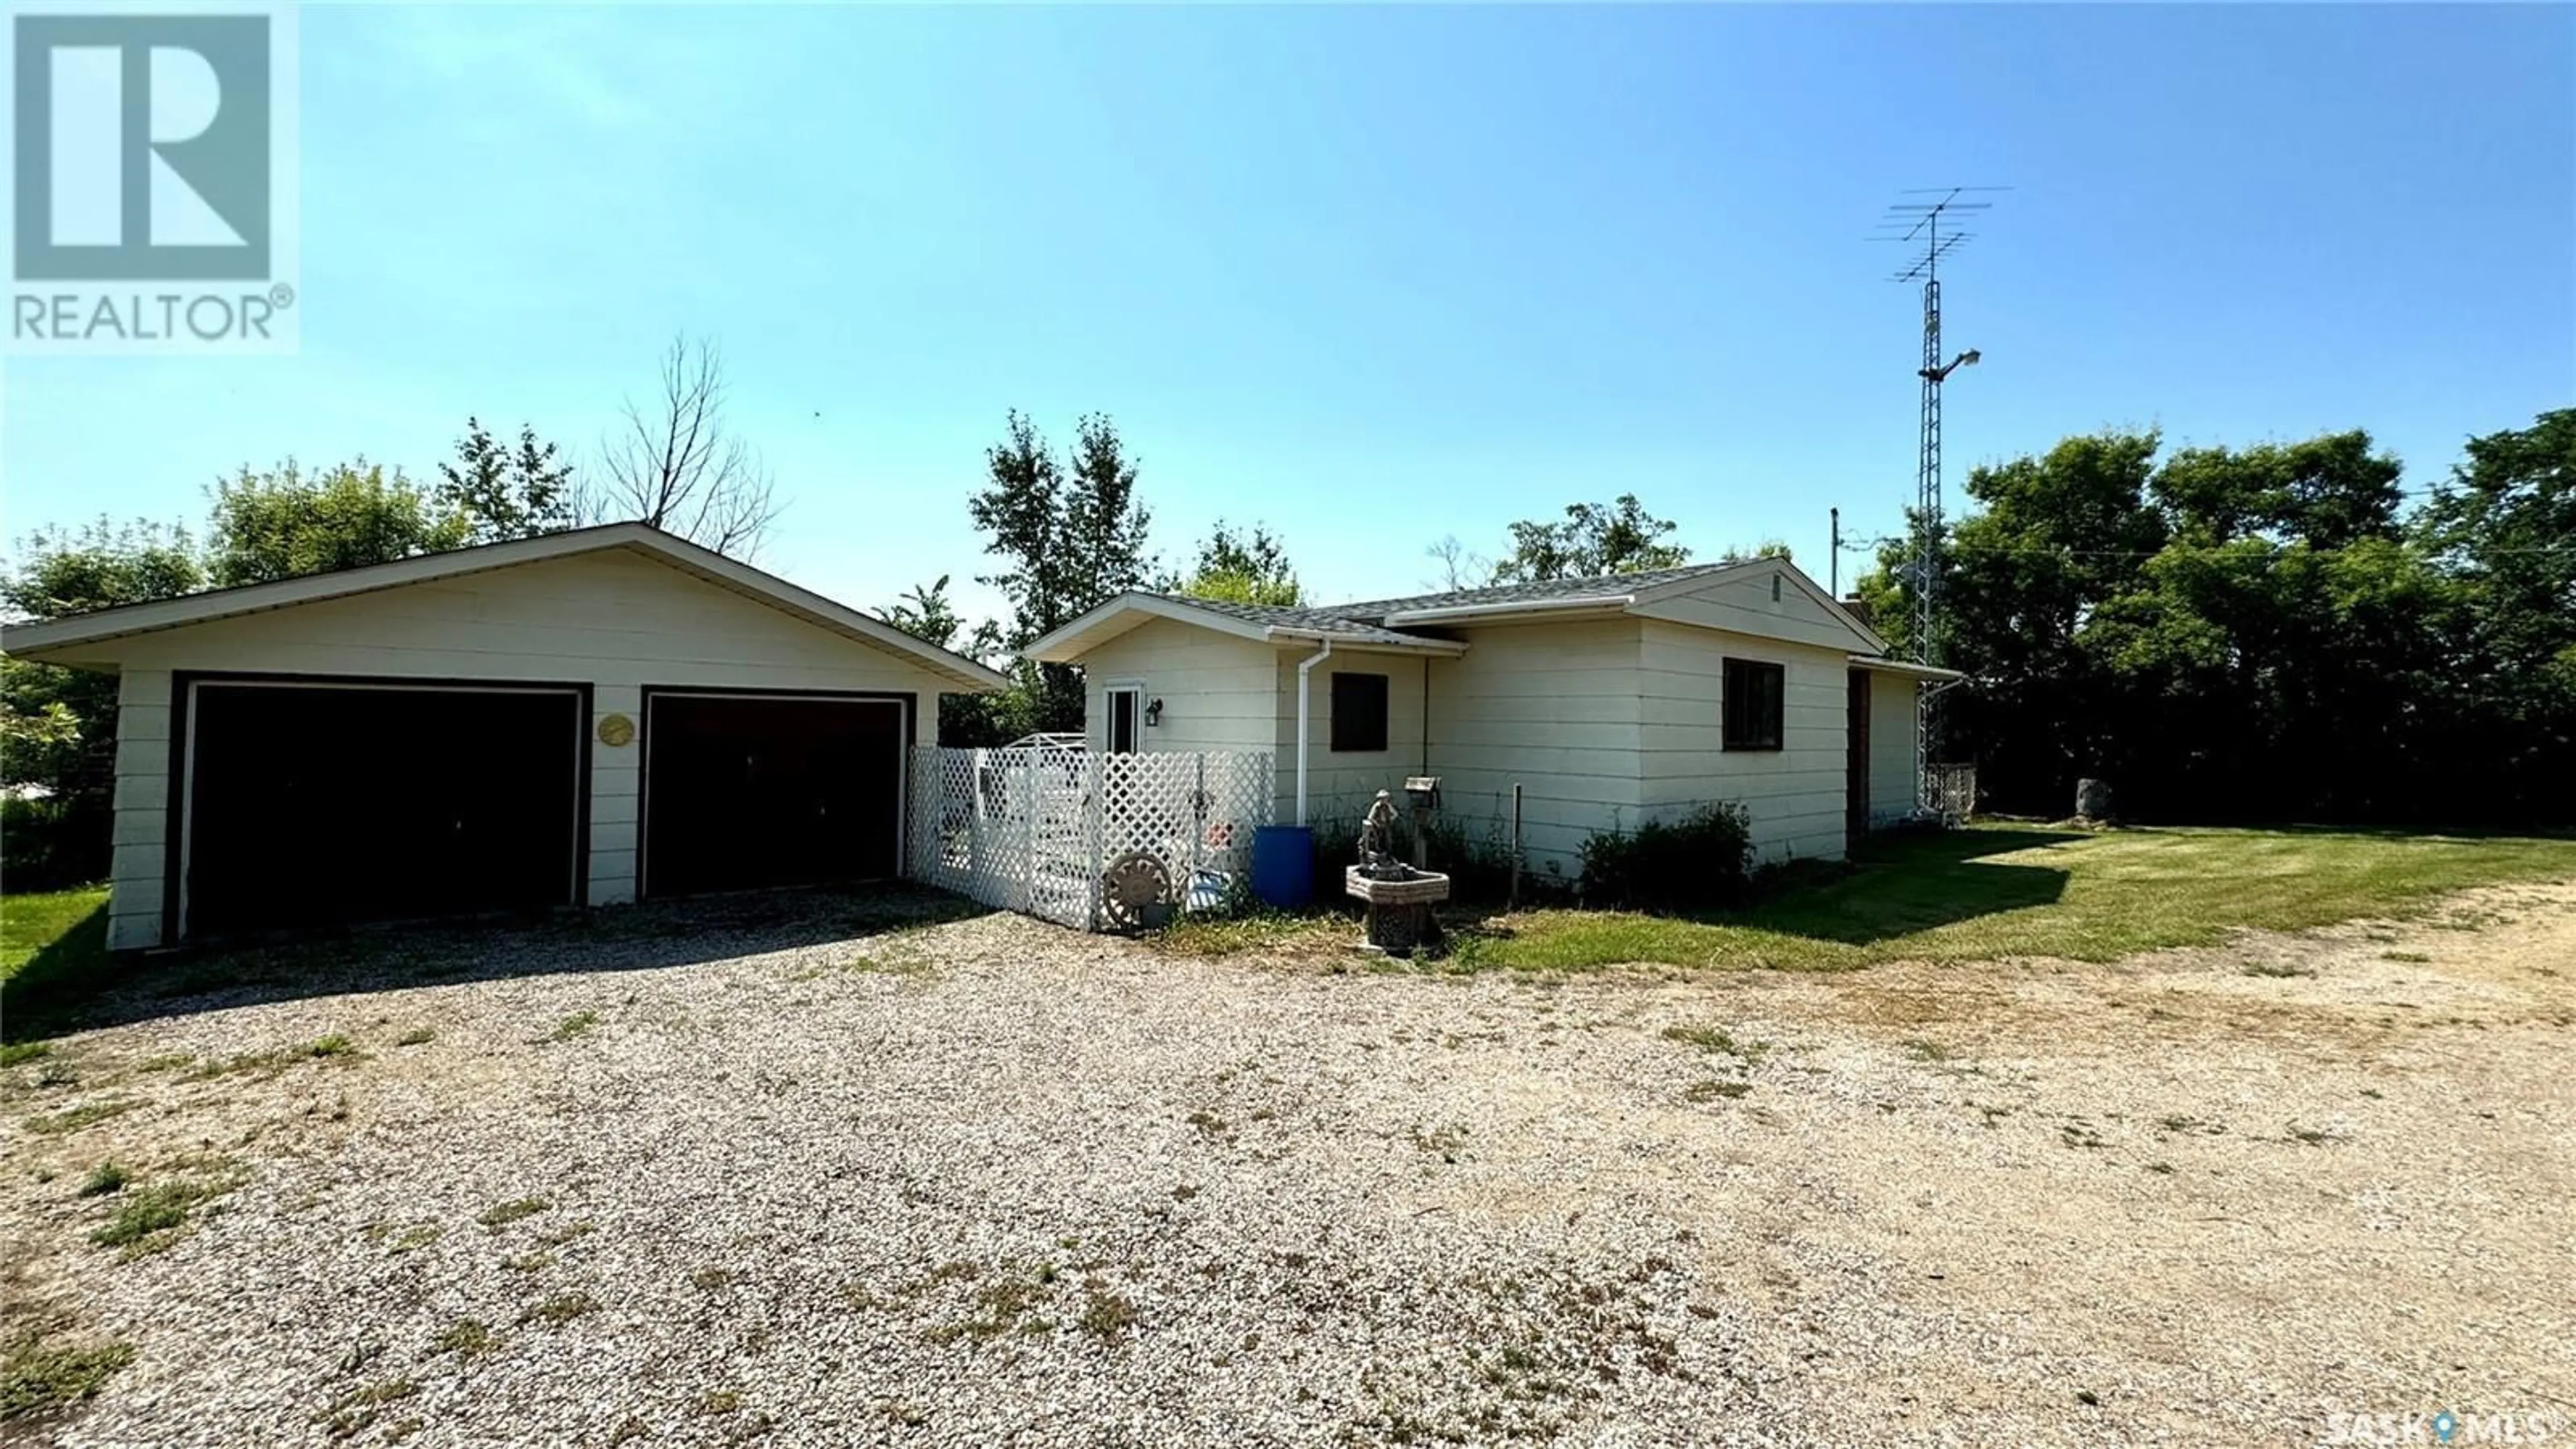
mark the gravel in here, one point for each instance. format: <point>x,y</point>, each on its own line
<point>857,1171</point>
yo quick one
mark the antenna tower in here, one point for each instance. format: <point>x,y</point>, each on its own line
<point>1931,222</point>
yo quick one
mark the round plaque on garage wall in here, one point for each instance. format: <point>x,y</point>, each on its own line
<point>616,731</point>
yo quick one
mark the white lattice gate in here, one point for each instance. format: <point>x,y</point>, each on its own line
<point>1034,828</point>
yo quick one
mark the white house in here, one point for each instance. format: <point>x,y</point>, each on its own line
<point>575,719</point>
<point>1608,701</point>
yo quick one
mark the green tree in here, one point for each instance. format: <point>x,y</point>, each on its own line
<point>2258,632</point>
<point>57,725</point>
<point>505,492</point>
<point>1767,548</point>
<point>1243,568</point>
<point>925,613</point>
<point>1592,539</point>
<point>966,721</point>
<point>281,524</point>
<point>100,566</point>
<point>1103,526</point>
<point>2505,527</point>
<point>2328,492</point>
<point>1071,536</point>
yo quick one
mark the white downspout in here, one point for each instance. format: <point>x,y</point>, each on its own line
<point>1305,720</point>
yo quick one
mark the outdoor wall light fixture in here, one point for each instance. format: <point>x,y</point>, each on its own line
<point>1153,713</point>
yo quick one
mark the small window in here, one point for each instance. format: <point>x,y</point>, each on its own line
<point>1753,693</point>
<point>1122,720</point>
<point>1359,712</point>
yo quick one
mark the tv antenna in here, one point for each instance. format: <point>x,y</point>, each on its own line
<point>1931,222</point>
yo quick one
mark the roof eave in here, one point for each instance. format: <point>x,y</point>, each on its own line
<point>38,640</point>
<point>1362,643</point>
<point>1515,609</point>
<point>1069,641</point>
<point>1880,664</point>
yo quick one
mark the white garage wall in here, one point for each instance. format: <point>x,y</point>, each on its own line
<point>1894,790</point>
<point>136,889</point>
<point>614,619</point>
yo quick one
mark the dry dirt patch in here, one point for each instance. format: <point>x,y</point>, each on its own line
<point>984,1180</point>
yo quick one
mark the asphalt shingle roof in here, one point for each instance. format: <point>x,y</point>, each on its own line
<point>1338,622</point>
<point>1367,621</point>
<point>1534,592</point>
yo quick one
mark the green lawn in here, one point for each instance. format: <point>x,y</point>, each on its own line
<point>2010,890</point>
<point>49,941</point>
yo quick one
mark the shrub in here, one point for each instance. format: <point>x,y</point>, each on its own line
<point>1704,859</point>
<point>53,842</point>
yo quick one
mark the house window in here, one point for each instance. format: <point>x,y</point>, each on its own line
<point>1359,712</point>
<point>1751,697</point>
<point>1123,705</point>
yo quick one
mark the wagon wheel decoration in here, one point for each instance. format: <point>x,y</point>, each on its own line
<point>1133,882</point>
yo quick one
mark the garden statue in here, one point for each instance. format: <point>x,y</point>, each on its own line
<point>1378,860</point>
<point>1400,898</point>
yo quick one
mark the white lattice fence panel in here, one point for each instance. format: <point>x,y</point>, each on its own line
<point>995,826</point>
<point>1194,813</point>
<point>1032,828</point>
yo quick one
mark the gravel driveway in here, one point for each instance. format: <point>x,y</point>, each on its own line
<point>801,1170</point>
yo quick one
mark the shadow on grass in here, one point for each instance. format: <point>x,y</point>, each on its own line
<point>73,983</point>
<point>1894,885</point>
<point>62,971</point>
<point>1899,884</point>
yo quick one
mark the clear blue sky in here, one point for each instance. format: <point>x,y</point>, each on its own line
<point>1376,275</point>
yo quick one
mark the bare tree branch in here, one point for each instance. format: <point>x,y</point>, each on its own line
<point>1459,567</point>
<point>674,464</point>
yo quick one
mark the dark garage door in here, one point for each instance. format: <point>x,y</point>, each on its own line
<point>743,791</point>
<point>322,805</point>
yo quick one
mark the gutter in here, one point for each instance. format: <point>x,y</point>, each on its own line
<point>1440,647</point>
<point>1306,719</point>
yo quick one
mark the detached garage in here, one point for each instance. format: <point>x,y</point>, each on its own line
<point>571,720</point>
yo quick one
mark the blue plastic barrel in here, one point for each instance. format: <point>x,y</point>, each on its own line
<point>1283,866</point>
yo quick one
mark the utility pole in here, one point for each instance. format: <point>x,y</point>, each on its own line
<point>1932,228</point>
<point>1834,562</point>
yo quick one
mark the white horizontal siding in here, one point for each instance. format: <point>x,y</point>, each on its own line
<point>1893,788</point>
<point>1794,795</point>
<point>1216,688</point>
<point>139,851</point>
<point>1552,708</point>
<point>615,620</point>
<point>1341,783</point>
<point>1763,601</point>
